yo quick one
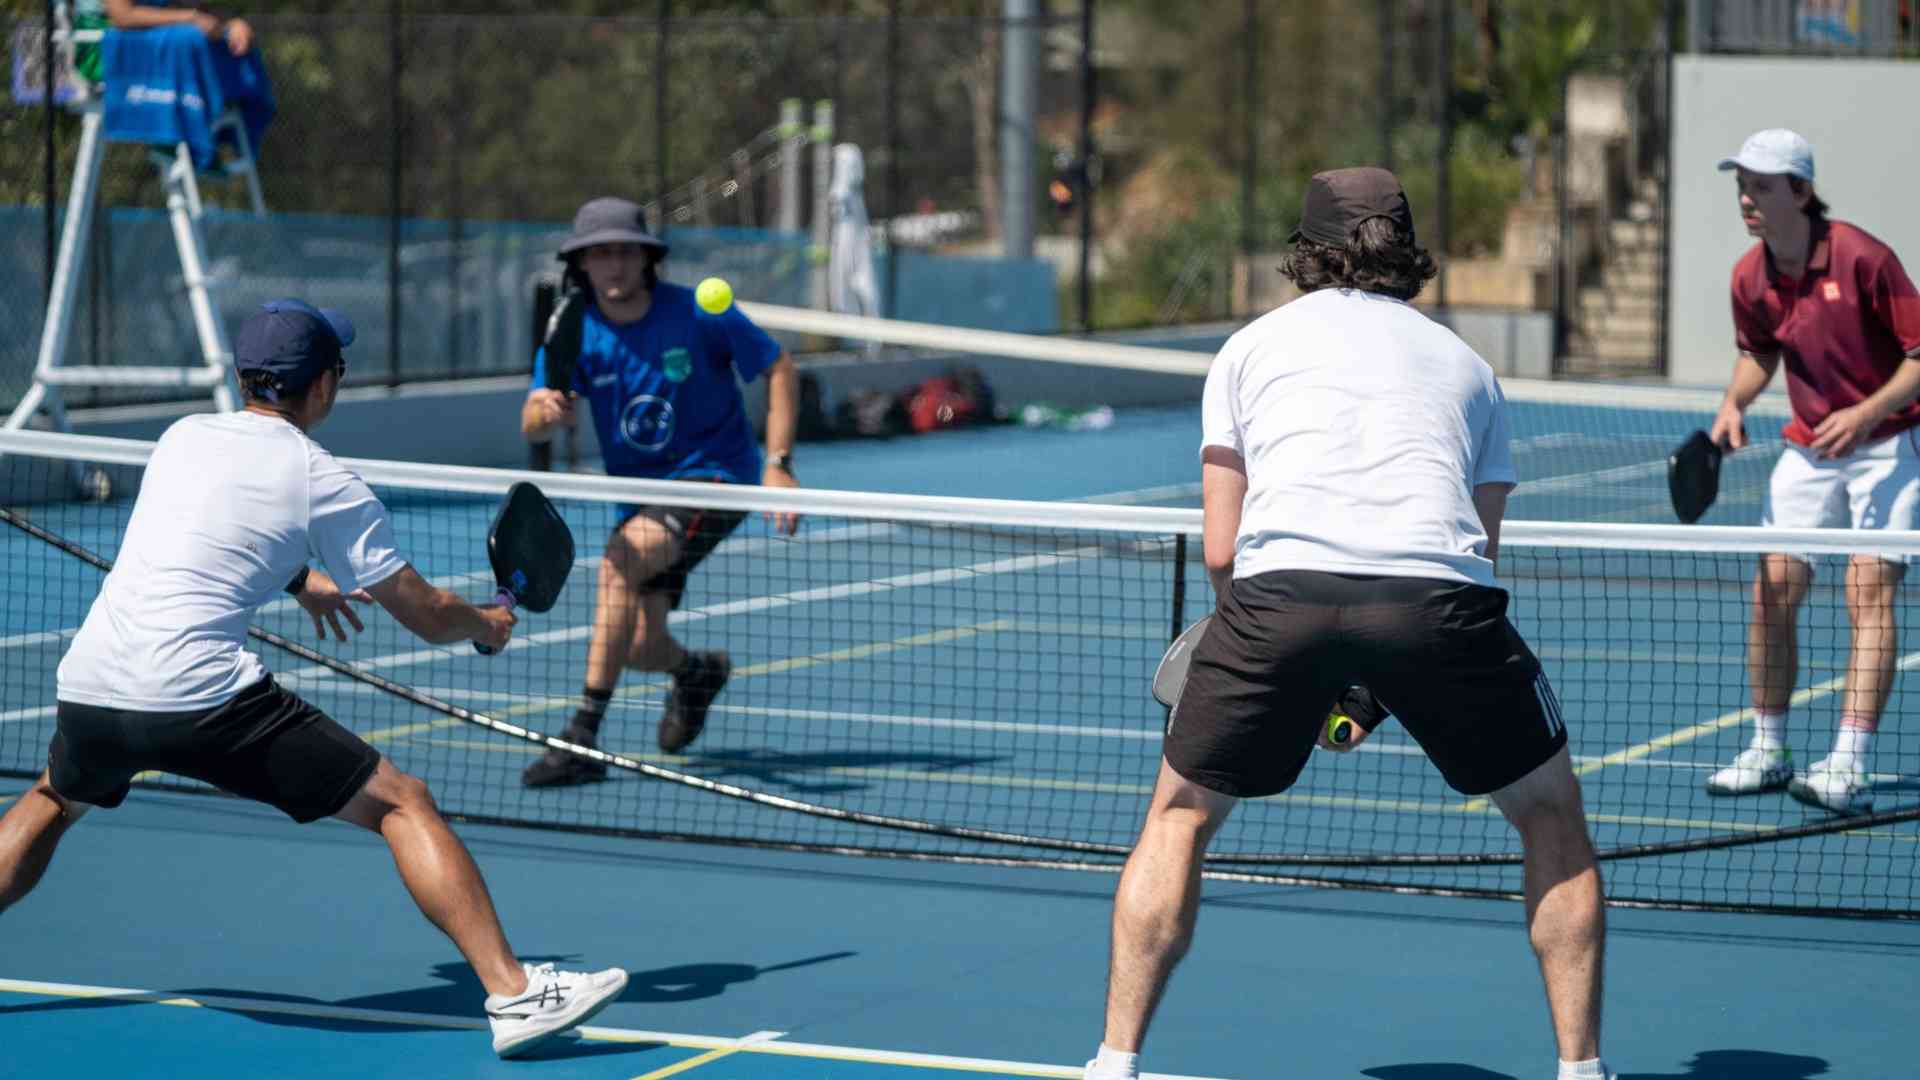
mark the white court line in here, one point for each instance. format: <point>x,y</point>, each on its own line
<point>733,607</point>
<point>1146,495</point>
<point>43,637</point>
<point>759,1042</point>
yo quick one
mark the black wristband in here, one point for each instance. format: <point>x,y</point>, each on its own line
<point>299,581</point>
<point>782,461</point>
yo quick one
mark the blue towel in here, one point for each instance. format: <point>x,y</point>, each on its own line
<point>167,85</point>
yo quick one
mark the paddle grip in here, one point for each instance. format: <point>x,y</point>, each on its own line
<point>505,599</point>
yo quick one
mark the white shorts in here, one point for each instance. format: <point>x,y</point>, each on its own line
<point>1875,487</point>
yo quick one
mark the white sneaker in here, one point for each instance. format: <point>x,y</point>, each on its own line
<point>1092,1075</point>
<point>1844,790</point>
<point>1752,772</point>
<point>553,1002</point>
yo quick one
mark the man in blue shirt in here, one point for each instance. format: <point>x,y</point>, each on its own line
<point>658,374</point>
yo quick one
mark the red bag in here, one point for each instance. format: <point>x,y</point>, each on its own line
<point>939,403</point>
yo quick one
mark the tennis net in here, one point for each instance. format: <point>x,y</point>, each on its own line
<point>968,680</point>
<point>1589,451</point>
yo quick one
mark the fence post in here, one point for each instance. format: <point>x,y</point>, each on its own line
<point>892,301</point>
<point>1443,166</point>
<point>662,33</point>
<point>1250,112</point>
<point>395,176</point>
<point>1386,84</point>
<point>1088,87</point>
<point>49,82</point>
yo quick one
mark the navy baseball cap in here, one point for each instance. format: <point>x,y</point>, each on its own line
<point>293,340</point>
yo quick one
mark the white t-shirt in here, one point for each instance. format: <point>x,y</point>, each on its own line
<point>231,507</point>
<point>1365,427</point>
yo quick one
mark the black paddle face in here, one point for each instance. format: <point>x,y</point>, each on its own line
<point>1693,476</point>
<point>531,548</point>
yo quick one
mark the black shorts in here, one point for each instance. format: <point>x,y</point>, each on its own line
<point>1440,655</point>
<point>698,532</point>
<point>264,744</point>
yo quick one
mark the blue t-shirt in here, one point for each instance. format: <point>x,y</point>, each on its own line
<point>662,390</point>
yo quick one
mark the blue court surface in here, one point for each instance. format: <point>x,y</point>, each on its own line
<point>189,935</point>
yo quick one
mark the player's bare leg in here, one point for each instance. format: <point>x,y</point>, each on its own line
<point>635,555</point>
<point>640,549</point>
<point>654,648</point>
<point>1773,645</point>
<point>29,832</point>
<point>438,871</point>
<point>1157,902</point>
<point>1566,920</point>
<point>1872,585</point>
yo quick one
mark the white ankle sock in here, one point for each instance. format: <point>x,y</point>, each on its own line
<point>1850,746</point>
<point>1591,1069</point>
<point>1769,730</point>
<point>1111,1064</point>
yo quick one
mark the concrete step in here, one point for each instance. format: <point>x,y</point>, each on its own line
<point>1587,366</point>
<point>1635,234</point>
<point>1637,349</point>
<point>1623,327</point>
<point>1629,279</point>
<point>1596,302</point>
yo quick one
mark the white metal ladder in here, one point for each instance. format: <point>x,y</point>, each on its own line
<point>184,211</point>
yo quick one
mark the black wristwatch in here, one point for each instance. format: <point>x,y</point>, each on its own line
<point>782,461</point>
<point>299,581</point>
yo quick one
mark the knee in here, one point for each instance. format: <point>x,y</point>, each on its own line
<point>1872,585</point>
<point>1556,823</point>
<point>1778,588</point>
<point>410,795</point>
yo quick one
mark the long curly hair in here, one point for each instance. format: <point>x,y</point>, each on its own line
<point>1379,257</point>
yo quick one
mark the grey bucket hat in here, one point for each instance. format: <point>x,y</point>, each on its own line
<point>610,220</point>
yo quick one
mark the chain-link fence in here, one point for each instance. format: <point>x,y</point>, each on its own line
<point>421,167</point>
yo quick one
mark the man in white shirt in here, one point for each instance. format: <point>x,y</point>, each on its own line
<point>1354,472</point>
<point>231,508</point>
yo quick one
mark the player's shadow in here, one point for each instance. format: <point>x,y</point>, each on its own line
<point>814,774</point>
<point>457,996</point>
<point>1705,1065</point>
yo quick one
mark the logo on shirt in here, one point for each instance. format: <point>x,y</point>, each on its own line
<point>677,363</point>
<point>1831,290</point>
<point>606,380</point>
<point>647,423</point>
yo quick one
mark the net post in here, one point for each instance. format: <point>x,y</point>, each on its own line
<point>1179,587</point>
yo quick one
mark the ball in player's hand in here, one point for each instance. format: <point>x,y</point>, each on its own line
<point>713,295</point>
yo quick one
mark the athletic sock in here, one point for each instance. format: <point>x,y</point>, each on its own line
<point>593,709</point>
<point>1769,730</point>
<point>1111,1064</point>
<point>1590,1069</point>
<point>1852,742</point>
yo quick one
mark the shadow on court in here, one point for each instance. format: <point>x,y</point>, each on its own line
<point>813,774</point>
<point>458,996</point>
<point>1706,1065</point>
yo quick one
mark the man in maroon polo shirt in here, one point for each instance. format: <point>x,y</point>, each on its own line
<point>1834,305</point>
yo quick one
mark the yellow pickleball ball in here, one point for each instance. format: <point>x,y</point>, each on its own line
<point>713,295</point>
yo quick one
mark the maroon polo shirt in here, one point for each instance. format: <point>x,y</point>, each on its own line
<point>1842,329</point>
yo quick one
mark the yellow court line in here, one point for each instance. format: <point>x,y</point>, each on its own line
<point>762,1042</point>
<point>793,663</point>
<point>1705,728</point>
<point>689,1064</point>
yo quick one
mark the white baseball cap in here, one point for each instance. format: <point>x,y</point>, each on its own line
<point>1775,151</point>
